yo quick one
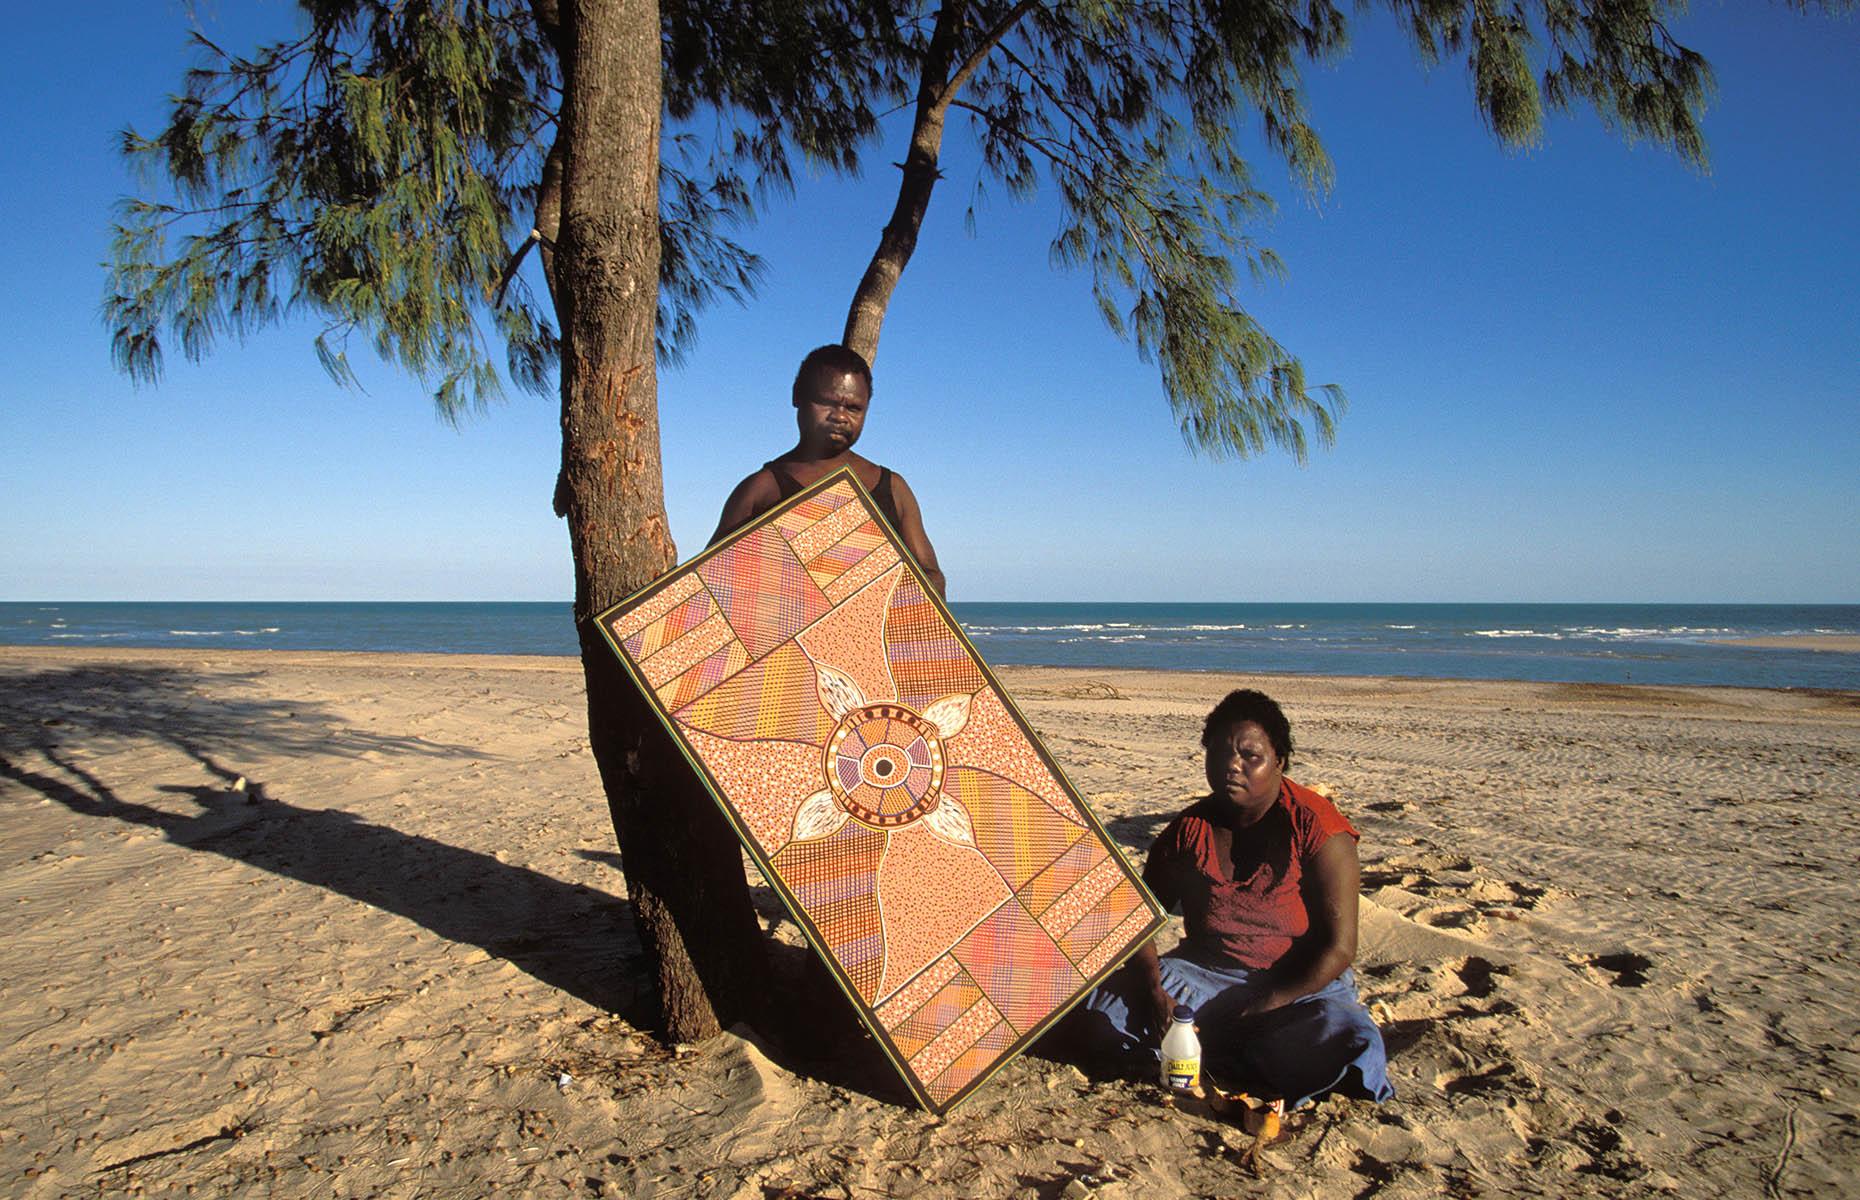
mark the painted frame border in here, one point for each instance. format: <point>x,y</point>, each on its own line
<point>868,1015</point>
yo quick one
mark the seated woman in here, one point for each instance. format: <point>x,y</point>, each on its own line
<point>1265,873</point>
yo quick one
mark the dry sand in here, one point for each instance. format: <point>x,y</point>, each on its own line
<point>1610,933</point>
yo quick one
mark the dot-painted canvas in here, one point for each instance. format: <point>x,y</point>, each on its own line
<point>952,879</point>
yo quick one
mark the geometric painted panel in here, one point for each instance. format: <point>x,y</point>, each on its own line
<point>950,877</point>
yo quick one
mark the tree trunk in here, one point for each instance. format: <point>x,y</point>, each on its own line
<point>683,869</point>
<point>898,241</point>
<point>941,79</point>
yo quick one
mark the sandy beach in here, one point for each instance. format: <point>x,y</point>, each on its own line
<point>353,925</point>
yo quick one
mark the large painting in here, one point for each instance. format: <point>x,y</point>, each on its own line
<point>888,789</point>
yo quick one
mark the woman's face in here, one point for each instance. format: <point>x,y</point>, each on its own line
<point>1244,770</point>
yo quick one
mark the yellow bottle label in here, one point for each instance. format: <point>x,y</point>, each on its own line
<point>1181,1073</point>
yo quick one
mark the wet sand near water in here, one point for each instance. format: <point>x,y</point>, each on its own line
<point>1829,643</point>
<point>1609,933</point>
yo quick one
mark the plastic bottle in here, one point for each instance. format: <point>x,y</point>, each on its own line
<point>1181,1052</point>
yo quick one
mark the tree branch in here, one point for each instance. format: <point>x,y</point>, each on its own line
<point>987,46</point>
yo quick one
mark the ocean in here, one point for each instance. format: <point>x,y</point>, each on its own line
<point>1599,643</point>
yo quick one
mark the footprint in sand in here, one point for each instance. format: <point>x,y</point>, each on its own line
<point>1440,890</point>
<point>1623,969</point>
<point>1592,1146</point>
<point>1505,1077</point>
<point>1410,1004</point>
<point>1477,975</point>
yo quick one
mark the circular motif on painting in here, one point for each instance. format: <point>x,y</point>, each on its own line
<point>884,765</point>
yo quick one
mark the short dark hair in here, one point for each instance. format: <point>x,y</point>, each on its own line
<point>833,358</point>
<point>1245,704</point>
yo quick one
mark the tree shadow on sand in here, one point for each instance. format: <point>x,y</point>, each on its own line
<point>568,936</point>
<point>577,939</point>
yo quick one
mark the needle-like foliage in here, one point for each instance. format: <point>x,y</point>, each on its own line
<point>1134,111</point>
<point>380,169</point>
<point>372,171</point>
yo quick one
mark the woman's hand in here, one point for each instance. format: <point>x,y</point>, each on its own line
<point>1149,969</point>
<point>1164,1007</point>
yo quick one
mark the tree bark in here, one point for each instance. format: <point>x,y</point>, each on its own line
<point>683,869</point>
<point>549,209</point>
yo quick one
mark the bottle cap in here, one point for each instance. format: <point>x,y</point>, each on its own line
<point>1184,1013</point>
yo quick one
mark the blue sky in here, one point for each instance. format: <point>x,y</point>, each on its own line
<point>1577,373</point>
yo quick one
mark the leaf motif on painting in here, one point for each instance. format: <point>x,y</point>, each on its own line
<point>839,695</point>
<point>950,821</point>
<point>949,714</point>
<point>818,816</point>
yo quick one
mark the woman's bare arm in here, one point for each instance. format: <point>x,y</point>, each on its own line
<point>1332,879</point>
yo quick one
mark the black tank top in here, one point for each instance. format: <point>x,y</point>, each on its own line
<point>882,494</point>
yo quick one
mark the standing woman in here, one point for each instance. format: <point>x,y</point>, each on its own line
<point>1265,874</point>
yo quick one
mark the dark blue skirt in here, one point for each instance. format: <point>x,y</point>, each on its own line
<point>1319,1043</point>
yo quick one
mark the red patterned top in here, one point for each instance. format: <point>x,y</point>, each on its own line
<point>1253,921</point>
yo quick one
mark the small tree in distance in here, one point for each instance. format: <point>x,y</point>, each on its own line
<point>385,169</point>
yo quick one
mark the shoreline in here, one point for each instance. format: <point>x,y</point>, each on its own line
<point>1662,644</point>
<point>1831,643</point>
<point>341,923</point>
<point>468,661</point>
